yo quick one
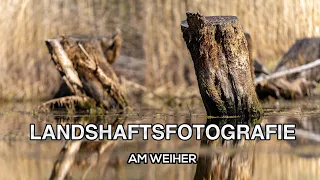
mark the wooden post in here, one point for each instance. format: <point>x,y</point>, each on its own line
<point>220,55</point>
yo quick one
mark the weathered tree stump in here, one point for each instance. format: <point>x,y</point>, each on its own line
<point>220,55</point>
<point>84,64</point>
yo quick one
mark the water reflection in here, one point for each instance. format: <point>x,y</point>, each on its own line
<point>226,165</point>
<point>84,153</point>
<point>21,158</point>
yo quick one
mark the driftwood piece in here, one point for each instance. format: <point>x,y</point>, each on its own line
<point>84,64</point>
<point>282,88</point>
<point>296,74</point>
<point>221,60</point>
<point>287,72</point>
<point>110,48</point>
<point>304,51</point>
<point>65,67</point>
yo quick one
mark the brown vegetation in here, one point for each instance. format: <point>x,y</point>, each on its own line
<point>150,33</point>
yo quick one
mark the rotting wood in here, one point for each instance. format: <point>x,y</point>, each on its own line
<point>224,70</point>
<point>220,55</point>
<point>84,64</point>
<point>296,75</point>
<point>303,51</point>
<point>65,66</point>
<point>110,48</point>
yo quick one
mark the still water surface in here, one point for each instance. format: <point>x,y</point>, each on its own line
<point>21,158</point>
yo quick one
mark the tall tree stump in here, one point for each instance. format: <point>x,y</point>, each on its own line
<point>220,55</point>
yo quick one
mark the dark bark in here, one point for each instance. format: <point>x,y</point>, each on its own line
<point>220,55</point>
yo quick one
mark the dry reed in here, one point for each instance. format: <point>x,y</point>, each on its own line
<point>151,30</point>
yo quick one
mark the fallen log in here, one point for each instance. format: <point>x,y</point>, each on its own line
<point>282,88</point>
<point>220,55</point>
<point>286,72</point>
<point>296,75</point>
<point>277,86</point>
<point>84,64</point>
<point>302,52</point>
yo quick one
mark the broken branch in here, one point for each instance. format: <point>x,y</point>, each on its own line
<point>287,72</point>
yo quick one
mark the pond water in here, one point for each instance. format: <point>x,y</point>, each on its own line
<point>297,159</point>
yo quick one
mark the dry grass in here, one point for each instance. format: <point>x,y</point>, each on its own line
<point>151,30</point>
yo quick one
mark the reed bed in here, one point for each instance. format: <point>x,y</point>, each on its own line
<point>151,31</point>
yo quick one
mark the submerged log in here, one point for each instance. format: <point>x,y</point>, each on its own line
<point>219,51</point>
<point>84,64</point>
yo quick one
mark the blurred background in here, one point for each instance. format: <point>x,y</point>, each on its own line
<point>151,32</point>
<point>153,54</point>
